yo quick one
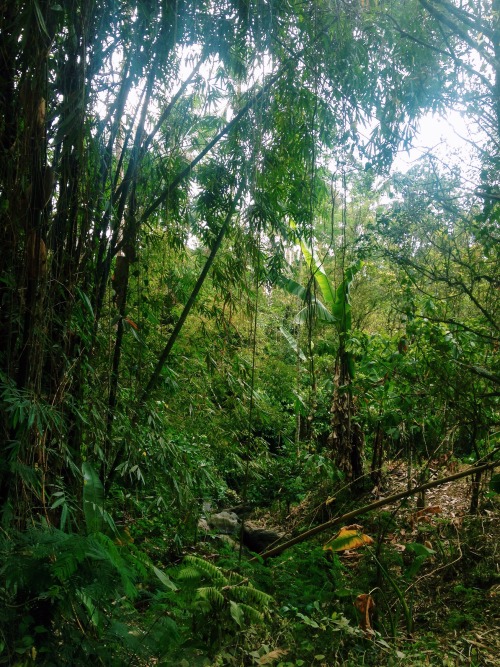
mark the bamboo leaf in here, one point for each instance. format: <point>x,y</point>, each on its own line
<point>86,301</point>
<point>40,19</point>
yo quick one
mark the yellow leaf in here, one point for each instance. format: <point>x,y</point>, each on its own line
<point>348,539</point>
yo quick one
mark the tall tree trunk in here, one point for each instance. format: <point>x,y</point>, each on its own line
<point>346,439</point>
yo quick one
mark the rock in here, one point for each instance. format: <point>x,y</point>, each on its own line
<point>226,523</point>
<point>242,509</point>
<point>203,526</point>
<point>207,507</point>
<point>259,539</point>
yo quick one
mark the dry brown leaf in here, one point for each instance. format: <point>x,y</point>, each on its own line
<point>365,604</point>
<point>424,515</point>
<point>434,509</point>
<point>270,657</point>
<point>353,526</point>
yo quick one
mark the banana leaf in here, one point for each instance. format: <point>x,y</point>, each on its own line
<point>293,343</point>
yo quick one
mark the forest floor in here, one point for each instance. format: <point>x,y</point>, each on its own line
<point>457,593</point>
<point>451,591</point>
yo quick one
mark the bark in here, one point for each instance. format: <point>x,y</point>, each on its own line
<point>346,440</point>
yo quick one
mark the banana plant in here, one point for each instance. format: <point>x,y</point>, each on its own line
<point>346,440</point>
<point>335,308</point>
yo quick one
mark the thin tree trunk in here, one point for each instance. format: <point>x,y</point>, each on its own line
<point>180,322</point>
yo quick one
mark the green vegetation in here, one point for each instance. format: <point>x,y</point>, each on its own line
<point>228,321</point>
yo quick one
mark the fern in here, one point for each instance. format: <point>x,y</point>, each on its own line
<point>251,596</point>
<point>228,600</point>
<point>207,569</point>
<point>80,586</point>
<point>67,557</point>
<point>253,615</point>
<point>213,596</point>
<point>190,574</point>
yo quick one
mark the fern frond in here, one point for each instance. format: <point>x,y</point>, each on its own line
<point>66,562</point>
<point>252,596</point>
<point>212,595</point>
<point>190,574</point>
<point>252,614</point>
<point>208,569</point>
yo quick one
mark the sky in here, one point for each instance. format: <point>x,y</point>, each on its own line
<point>448,138</point>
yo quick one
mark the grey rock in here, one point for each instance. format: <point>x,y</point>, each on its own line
<point>259,539</point>
<point>207,507</point>
<point>226,523</point>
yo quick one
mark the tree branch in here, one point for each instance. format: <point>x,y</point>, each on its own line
<point>225,130</point>
<point>457,30</point>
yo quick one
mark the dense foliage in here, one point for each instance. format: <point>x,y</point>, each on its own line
<point>216,290</point>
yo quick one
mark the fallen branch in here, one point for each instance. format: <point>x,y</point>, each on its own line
<point>345,518</point>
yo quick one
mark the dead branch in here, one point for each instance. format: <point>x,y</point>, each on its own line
<point>345,518</point>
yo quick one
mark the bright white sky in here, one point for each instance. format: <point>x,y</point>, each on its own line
<point>448,138</point>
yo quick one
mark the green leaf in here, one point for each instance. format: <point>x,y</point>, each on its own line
<point>93,613</point>
<point>292,287</point>
<point>93,498</point>
<point>293,343</point>
<point>316,309</point>
<point>40,19</point>
<point>86,301</point>
<point>316,268</point>
<point>236,613</point>
<point>308,621</point>
<point>131,328</point>
<point>165,580</point>
<point>64,517</point>
<point>350,365</point>
<point>420,549</point>
<point>415,567</point>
